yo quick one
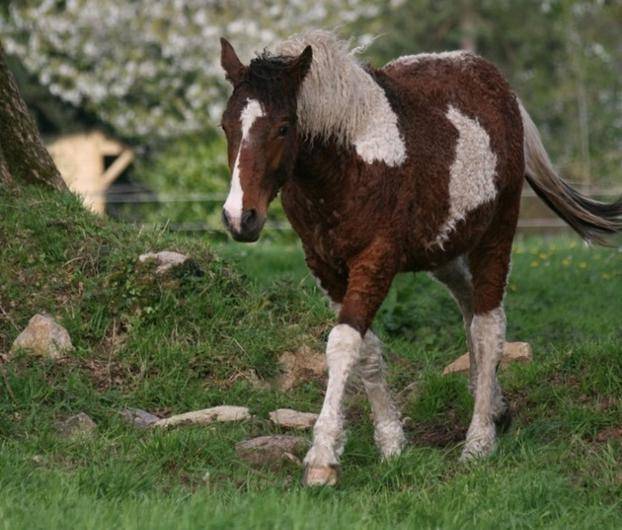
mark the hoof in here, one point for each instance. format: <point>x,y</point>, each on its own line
<point>387,454</point>
<point>477,449</point>
<point>320,476</point>
<point>390,440</point>
<point>392,450</point>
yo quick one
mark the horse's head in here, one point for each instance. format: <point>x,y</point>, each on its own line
<point>260,124</point>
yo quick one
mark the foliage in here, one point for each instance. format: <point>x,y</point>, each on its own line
<point>563,57</point>
<point>150,68</point>
<point>190,177</point>
<point>186,341</point>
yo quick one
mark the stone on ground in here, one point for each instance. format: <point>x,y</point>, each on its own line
<point>78,425</point>
<point>513,352</point>
<point>299,367</point>
<point>45,337</point>
<point>165,260</point>
<point>293,419</point>
<point>205,416</point>
<point>272,450</point>
<point>138,417</point>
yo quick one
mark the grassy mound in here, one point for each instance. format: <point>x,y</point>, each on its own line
<point>191,340</point>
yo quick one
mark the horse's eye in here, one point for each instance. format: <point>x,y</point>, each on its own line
<point>283,130</point>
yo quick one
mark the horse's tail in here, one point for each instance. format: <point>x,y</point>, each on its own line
<point>592,220</point>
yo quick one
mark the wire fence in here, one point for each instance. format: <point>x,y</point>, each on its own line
<point>545,220</point>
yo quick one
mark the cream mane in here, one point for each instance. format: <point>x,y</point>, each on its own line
<point>339,99</point>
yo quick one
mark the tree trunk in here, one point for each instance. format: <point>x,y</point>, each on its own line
<point>23,157</point>
<point>5,174</point>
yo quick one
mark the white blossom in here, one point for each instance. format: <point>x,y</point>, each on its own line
<point>151,68</point>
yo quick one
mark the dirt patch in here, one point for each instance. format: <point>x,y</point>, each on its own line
<point>446,431</point>
<point>114,340</point>
<point>300,367</point>
<point>103,373</point>
<point>608,434</point>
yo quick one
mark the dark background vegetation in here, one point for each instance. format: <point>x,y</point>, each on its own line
<point>563,57</point>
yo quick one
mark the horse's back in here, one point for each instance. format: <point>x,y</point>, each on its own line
<point>430,84</point>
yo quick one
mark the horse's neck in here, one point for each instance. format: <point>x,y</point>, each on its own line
<point>321,174</point>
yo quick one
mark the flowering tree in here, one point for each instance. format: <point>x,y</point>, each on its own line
<point>150,68</point>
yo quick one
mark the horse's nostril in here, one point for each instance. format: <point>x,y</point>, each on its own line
<point>249,217</point>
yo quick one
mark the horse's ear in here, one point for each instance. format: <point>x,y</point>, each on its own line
<point>230,62</point>
<point>302,63</point>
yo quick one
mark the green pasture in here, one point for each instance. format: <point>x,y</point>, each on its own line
<point>202,335</point>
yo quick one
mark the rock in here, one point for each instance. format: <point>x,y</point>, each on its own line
<point>513,352</point>
<point>272,450</point>
<point>299,367</point>
<point>79,425</point>
<point>43,336</point>
<point>165,260</point>
<point>516,352</point>
<point>138,417</point>
<point>205,416</point>
<point>460,365</point>
<point>293,419</point>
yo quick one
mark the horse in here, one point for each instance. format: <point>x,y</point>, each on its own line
<point>415,166</point>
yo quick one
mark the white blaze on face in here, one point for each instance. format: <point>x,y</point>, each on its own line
<point>233,204</point>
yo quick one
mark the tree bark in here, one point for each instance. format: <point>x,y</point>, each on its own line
<point>23,157</point>
<point>5,175</point>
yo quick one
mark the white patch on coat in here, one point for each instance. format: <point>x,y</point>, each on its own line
<point>388,432</point>
<point>409,60</point>
<point>488,336</point>
<point>472,173</point>
<point>233,204</point>
<point>343,352</point>
<point>339,99</point>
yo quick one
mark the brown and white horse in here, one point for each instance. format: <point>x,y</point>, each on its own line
<point>415,166</point>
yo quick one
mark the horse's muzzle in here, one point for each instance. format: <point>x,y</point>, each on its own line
<point>250,225</point>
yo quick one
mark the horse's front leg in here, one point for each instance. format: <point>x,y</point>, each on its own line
<point>369,278</point>
<point>388,432</point>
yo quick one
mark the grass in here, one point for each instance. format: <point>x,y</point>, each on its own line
<point>190,341</point>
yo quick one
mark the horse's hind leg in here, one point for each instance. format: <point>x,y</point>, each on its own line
<point>456,276</point>
<point>388,432</point>
<point>489,264</point>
